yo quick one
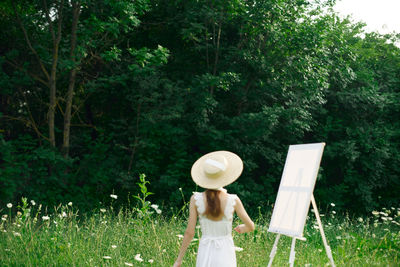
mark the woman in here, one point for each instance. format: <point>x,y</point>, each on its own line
<point>215,208</point>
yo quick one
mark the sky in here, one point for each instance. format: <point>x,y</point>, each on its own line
<point>379,15</point>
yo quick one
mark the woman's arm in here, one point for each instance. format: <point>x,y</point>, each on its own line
<point>248,225</point>
<point>189,233</point>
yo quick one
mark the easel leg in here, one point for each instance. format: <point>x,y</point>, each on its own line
<point>327,248</point>
<point>273,251</point>
<point>292,252</point>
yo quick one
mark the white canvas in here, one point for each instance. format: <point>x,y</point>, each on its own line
<point>297,185</point>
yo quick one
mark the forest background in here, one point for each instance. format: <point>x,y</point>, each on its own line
<point>94,93</point>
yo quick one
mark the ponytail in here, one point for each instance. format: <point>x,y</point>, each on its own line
<point>213,203</point>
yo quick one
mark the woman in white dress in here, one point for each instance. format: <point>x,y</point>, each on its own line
<point>215,208</point>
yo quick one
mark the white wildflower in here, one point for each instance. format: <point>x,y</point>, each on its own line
<point>338,237</point>
<point>164,250</point>
<point>375,213</point>
<point>9,205</point>
<point>373,235</point>
<point>33,202</point>
<point>383,213</point>
<point>151,261</point>
<point>70,204</point>
<point>113,196</point>
<point>333,212</point>
<point>128,264</point>
<point>238,249</point>
<point>360,219</point>
<point>138,258</point>
<point>180,236</point>
<point>384,218</point>
<point>64,214</point>
<point>107,257</point>
<point>158,211</point>
<point>45,218</point>
<point>154,206</point>
<point>102,210</point>
<point>113,246</point>
<point>3,219</point>
<point>333,204</point>
<point>16,234</point>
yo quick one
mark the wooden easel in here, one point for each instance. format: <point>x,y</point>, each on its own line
<point>292,251</point>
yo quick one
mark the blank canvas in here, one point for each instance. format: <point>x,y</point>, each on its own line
<point>297,185</point>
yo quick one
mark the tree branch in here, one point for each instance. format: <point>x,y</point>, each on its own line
<point>29,42</point>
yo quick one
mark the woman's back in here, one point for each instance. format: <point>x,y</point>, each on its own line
<point>216,226</point>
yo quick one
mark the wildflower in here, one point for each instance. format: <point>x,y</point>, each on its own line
<point>102,210</point>
<point>154,206</point>
<point>373,235</point>
<point>113,246</point>
<point>360,219</point>
<point>128,264</point>
<point>320,250</point>
<point>9,205</point>
<point>333,204</point>
<point>151,261</point>
<point>33,202</point>
<point>375,213</point>
<point>158,211</point>
<point>19,214</point>
<point>45,218</point>
<point>64,214</point>
<point>333,212</point>
<point>179,236</point>
<point>138,258</point>
<point>107,257</point>
<point>16,234</point>
<point>338,237</point>
<point>113,196</point>
<point>70,204</point>
<point>238,249</point>
<point>164,250</point>
<point>383,213</point>
<point>384,218</point>
<point>3,219</point>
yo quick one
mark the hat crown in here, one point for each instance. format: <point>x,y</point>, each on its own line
<point>215,166</point>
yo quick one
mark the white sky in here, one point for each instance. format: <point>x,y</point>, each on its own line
<point>379,15</point>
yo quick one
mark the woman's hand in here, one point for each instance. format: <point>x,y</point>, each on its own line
<point>240,228</point>
<point>177,264</point>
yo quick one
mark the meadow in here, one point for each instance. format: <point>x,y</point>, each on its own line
<point>30,235</point>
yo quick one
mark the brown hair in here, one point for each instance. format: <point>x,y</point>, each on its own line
<point>213,203</point>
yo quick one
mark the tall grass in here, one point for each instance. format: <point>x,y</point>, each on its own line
<point>29,236</point>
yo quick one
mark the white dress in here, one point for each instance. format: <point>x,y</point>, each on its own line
<point>216,248</point>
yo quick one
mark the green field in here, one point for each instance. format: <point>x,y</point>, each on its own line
<point>140,237</point>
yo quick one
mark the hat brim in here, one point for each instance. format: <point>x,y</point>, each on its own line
<point>233,171</point>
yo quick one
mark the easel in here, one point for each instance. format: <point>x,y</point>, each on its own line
<point>292,251</point>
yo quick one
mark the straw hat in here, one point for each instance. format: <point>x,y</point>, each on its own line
<point>217,169</point>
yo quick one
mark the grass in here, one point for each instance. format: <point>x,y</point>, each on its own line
<point>142,237</point>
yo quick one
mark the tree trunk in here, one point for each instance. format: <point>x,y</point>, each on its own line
<point>72,80</point>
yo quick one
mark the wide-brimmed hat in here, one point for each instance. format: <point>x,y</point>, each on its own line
<point>217,169</point>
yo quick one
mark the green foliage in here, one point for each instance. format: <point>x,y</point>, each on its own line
<point>159,83</point>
